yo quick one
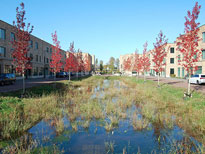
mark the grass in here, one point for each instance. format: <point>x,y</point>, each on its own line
<point>81,102</point>
<point>161,103</point>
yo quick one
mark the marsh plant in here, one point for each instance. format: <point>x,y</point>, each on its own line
<point>106,102</point>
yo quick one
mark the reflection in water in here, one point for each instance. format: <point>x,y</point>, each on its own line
<point>108,123</point>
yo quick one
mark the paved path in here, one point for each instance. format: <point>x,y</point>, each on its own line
<point>182,83</point>
<point>28,83</point>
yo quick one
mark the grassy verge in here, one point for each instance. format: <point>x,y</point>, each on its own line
<point>168,101</point>
<point>162,107</point>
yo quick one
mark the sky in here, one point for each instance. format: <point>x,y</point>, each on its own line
<point>104,28</point>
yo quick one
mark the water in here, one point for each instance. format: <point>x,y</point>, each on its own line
<point>96,140</point>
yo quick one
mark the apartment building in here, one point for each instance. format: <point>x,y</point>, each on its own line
<point>40,53</point>
<point>172,67</point>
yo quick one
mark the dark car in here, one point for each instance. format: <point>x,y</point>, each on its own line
<point>61,75</point>
<point>7,78</point>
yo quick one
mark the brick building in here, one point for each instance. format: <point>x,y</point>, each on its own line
<point>172,67</point>
<point>40,53</point>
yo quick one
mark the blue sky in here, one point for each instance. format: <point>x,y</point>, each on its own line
<point>104,28</point>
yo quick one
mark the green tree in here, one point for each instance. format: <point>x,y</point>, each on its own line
<point>112,64</point>
<point>117,63</point>
<point>101,65</point>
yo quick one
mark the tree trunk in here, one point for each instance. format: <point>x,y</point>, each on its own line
<point>158,79</point>
<point>69,75</point>
<point>23,76</point>
<point>189,86</point>
<point>144,76</point>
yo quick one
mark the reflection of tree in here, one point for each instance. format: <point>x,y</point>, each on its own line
<point>160,134</point>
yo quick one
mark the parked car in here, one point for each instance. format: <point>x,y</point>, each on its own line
<point>197,79</point>
<point>7,78</point>
<point>61,75</point>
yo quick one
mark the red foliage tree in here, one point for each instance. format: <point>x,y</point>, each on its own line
<point>188,43</point>
<point>145,60</point>
<point>87,63</point>
<point>159,53</point>
<point>137,65</point>
<point>80,61</point>
<point>21,44</point>
<point>127,64</point>
<point>56,63</point>
<point>71,63</point>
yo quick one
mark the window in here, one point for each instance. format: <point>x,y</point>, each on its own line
<point>171,70</point>
<point>178,71</point>
<point>40,58</point>
<point>203,35</point>
<point>12,36</point>
<point>7,69</point>
<point>36,45</point>
<point>171,60</point>
<point>50,50</point>
<point>31,43</point>
<point>203,54</point>
<point>31,56</point>
<point>47,49</point>
<point>2,34</point>
<point>199,70</point>
<point>36,57</point>
<point>182,72</point>
<point>2,52</point>
<point>171,50</point>
<point>46,60</point>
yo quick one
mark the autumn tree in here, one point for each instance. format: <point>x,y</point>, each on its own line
<point>145,60</point>
<point>87,63</point>
<point>188,43</point>
<point>71,61</point>
<point>56,63</point>
<point>159,53</point>
<point>137,65</point>
<point>21,43</point>
<point>80,64</point>
<point>127,63</point>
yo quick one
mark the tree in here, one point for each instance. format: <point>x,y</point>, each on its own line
<point>87,63</point>
<point>21,44</point>
<point>117,63</point>
<point>145,60</point>
<point>96,64</point>
<point>71,62</point>
<point>159,53</point>
<point>55,63</point>
<point>101,65</point>
<point>188,43</point>
<point>112,63</point>
<point>137,66</point>
<point>127,63</point>
<point>80,65</point>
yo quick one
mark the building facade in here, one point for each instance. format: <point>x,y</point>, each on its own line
<point>40,53</point>
<point>173,67</point>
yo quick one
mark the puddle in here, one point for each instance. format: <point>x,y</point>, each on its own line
<point>153,137</point>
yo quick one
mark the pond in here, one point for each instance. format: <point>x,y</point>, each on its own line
<point>106,119</point>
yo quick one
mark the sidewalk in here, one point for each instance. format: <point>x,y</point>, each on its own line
<point>30,83</point>
<point>181,83</point>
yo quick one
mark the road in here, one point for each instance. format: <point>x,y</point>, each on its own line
<point>181,83</point>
